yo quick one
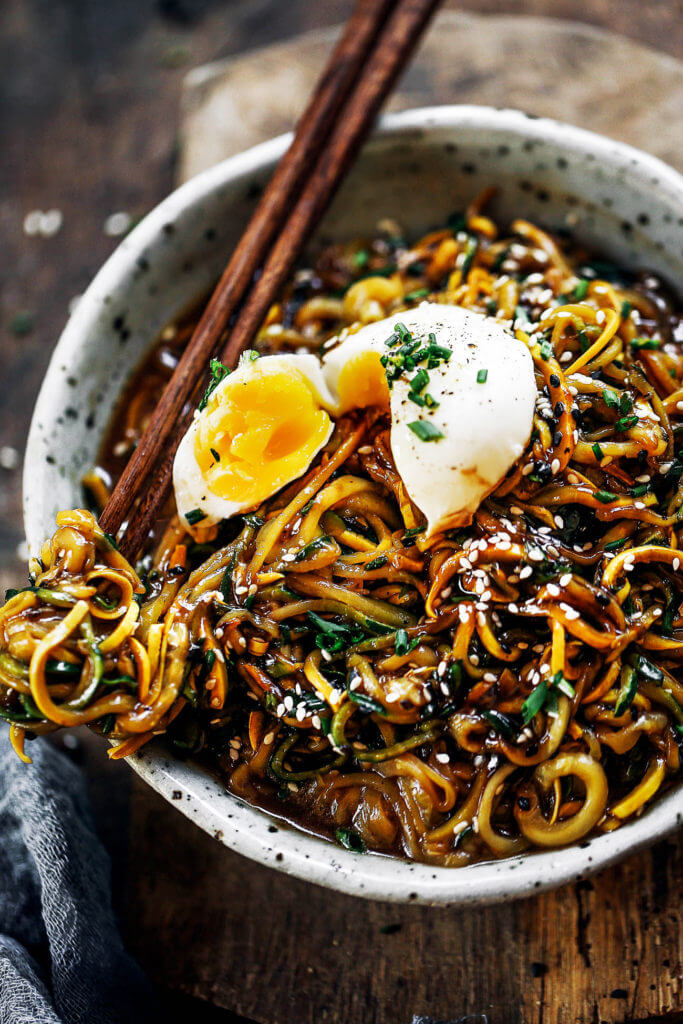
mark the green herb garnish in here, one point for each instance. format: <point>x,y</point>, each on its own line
<point>481,376</point>
<point>195,516</point>
<point>218,373</point>
<point>425,430</point>
<point>350,840</point>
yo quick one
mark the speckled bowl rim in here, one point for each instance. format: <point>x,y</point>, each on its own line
<point>253,832</point>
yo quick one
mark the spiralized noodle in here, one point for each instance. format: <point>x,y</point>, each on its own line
<point>509,686</point>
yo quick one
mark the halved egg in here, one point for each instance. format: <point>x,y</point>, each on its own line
<point>460,416</point>
<point>260,429</point>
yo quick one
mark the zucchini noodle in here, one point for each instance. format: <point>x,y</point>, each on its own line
<point>508,686</point>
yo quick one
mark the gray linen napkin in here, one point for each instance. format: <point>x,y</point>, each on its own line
<point>61,957</point>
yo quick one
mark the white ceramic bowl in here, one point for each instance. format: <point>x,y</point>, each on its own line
<point>419,166</point>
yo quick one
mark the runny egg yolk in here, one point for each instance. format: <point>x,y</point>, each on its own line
<point>259,435</point>
<point>363,382</point>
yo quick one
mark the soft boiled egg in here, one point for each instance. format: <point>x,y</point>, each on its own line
<point>460,417</point>
<point>459,387</point>
<point>260,429</point>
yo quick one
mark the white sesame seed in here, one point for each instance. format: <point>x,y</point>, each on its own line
<point>326,654</point>
<point>239,590</point>
<point>676,564</point>
<point>566,357</point>
<point>665,467</point>
<point>513,608</point>
<point>559,522</point>
<point>445,689</point>
<point>527,469</point>
<point>365,450</point>
<point>443,758</point>
<point>566,579</point>
<point>288,702</point>
<point>639,504</point>
<point>490,677</point>
<point>280,710</point>
<point>335,694</point>
<point>315,722</point>
<point>474,659</point>
<point>441,668</point>
<point>600,316</point>
<point>555,467</point>
<point>644,478</point>
<point>300,713</point>
<point>571,613</point>
<point>525,572</point>
<point>535,554</point>
<point>446,593</point>
<point>553,589</point>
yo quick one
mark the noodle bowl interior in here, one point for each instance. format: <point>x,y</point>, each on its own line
<point>505,682</point>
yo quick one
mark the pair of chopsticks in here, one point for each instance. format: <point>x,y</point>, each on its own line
<point>375,46</point>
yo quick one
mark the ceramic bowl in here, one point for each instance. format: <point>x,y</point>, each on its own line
<point>418,167</point>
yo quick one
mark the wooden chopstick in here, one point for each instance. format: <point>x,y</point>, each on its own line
<point>374,47</point>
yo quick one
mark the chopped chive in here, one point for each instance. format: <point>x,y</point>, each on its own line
<point>425,430</point>
<point>377,563</point>
<point>614,545</point>
<point>481,376</point>
<point>605,496</point>
<point>625,403</point>
<point>598,452</point>
<point>194,516</point>
<point>610,398</point>
<point>581,290</point>
<point>419,381</point>
<point>402,644</point>
<point>626,308</point>
<point>413,532</point>
<point>350,840</point>
<point>546,349</point>
<point>218,373</point>
<point>625,423</point>
<point>361,259</point>
<point>638,492</point>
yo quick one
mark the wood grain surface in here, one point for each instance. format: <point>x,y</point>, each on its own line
<point>89,116</point>
<point>275,949</point>
<point>280,951</point>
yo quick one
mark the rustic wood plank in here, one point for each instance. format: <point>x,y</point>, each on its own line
<point>89,121</point>
<point>212,924</point>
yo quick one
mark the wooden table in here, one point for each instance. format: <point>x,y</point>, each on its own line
<point>90,118</point>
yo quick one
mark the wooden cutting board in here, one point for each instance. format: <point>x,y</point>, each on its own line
<point>205,921</point>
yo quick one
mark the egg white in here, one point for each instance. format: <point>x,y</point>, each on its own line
<point>485,426</point>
